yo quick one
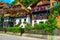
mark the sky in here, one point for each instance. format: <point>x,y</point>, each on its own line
<point>7,1</point>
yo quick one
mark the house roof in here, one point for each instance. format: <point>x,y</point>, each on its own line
<point>1,3</point>
<point>3,6</point>
<point>21,6</point>
<point>11,9</point>
<point>40,3</point>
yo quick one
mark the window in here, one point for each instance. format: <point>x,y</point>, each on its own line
<point>41,22</point>
<point>54,3</point>
<point>24,19</point>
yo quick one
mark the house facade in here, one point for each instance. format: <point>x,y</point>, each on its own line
<point>14,14</point>
<point>21,13</point>
<point>38,12</point>
<point>3,10</point>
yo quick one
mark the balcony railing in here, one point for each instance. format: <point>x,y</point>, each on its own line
<point>40,17</point>
<point>39,9</point>
<point>6,7</point>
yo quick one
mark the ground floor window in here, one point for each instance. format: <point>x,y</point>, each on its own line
<point>40,16</point>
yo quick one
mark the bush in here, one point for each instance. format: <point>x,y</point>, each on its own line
<point>13,29</point>
<point>9,29</point>
<point>28,27</point>
<point>58,28</point>
<point>40,26</point>
<point>17,25</point>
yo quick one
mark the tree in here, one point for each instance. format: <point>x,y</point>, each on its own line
<point>56,8</point>
<point>26,3</point>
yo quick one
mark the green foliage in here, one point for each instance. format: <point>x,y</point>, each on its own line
<point>24,2</point>
<point>56,8</point>
<point>51,24</point>
<point>40,26</point>
<point>28,27</point>
<point>55,12</point>
<point>43,28</point>
<point>17,25</point>
<point>58,28</point>
<point>13,29</point>
<point>9,29</point>
<point>52,20</point>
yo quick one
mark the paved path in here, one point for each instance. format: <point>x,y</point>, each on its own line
<point>54,38</point>
<point>4,36</point>
<point>12,37</point>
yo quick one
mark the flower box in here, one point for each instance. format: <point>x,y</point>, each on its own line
<point>38,9</point>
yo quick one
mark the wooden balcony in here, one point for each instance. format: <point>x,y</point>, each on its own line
<point>40,17</point>
<point>38,9</point>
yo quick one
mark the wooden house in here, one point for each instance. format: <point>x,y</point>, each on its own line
<point>19,14</point>
<point>40,11</point>
<point>14,14</point>
<point>1,14</point>
<point>3,11</point>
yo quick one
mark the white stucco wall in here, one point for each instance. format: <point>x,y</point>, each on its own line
<point>18,19</point>
<point>43,20</point>
<point>22,20</point>
<point>28,20</point>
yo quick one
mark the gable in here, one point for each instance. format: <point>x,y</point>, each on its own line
<point>40,3</point>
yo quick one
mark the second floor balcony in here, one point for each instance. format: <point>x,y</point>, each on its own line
<point>39,9</point>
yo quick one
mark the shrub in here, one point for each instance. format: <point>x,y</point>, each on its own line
<point>58,28</point>
<point>9,29</point>
<point>28,27</point>
<point>17,25</point>
<point>40,26</point>
<point>13,29</point>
